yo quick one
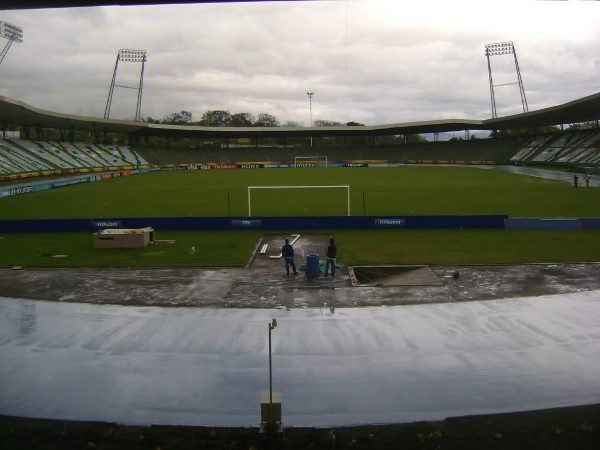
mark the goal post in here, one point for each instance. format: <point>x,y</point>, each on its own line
<point>316,159</point>
<point>344,186</point>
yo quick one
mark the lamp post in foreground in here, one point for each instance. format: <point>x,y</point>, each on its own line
<point>271,411</point>
<point>272,326</point>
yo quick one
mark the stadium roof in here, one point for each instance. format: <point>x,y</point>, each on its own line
<point>585,109</point>
<point>39,4</point>
<point>17,113</point>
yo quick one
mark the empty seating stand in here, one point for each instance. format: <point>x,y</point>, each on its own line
<point>581,147</point>
<point>19,156</point>
<point>20,159</point>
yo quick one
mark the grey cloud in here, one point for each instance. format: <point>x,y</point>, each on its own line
<point>383,65</point>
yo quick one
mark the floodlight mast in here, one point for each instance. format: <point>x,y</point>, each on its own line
<point>11,33</point>
<point>504,48</point>
<point>310,96</point>
<point>128,55</point>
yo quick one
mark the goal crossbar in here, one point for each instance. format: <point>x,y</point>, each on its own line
<point>341,186</point>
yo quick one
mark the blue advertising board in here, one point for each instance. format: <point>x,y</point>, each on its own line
<point>265,223</point>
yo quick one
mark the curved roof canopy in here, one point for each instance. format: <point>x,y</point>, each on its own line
<point>15,112</point>
<point>38,4</point>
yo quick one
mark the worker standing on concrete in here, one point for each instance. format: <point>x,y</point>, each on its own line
<point>287,251</point>
<point>330,257</point>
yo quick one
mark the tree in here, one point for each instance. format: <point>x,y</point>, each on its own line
<point>327,123</point>
<point>414,139</point>
<point>266,120</point>
<point>585,125</point>
<point>354,124</point>
<point>178,118</point>
<point>215,118</point>
<point>241,120</point>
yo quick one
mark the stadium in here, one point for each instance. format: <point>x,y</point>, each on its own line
<point>475,262</point>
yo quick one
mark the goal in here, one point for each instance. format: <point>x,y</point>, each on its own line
<point>310,160</point>
<point>345,187</point>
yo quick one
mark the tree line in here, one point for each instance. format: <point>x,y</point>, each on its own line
<point>223,118</point>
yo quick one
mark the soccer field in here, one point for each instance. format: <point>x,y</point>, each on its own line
<point>386,191</point>
<point>373,191</point>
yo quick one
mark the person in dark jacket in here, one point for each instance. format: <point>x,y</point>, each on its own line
<point>330,257</point>
<point>287,251</point>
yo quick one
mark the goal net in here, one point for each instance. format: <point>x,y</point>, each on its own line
<point>316,160</point>
<point>299,200</point>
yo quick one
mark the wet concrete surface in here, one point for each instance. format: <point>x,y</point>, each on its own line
<point>208,366</point>
<point>264,284</point>
<point>386,276</point>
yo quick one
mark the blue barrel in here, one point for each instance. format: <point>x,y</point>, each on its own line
<point>313,270</point>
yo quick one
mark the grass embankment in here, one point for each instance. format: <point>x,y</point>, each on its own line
<point>234,248</point>
<point>575,428</point>
<point>387,191</point>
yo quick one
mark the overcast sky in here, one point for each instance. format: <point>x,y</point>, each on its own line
<point>374,62</point>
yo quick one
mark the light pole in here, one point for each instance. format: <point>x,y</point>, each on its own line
<point>12,33</point>
<point>271,423</point>
<point>272,326</point>
<point>310,96</point>
<point>270,403</point>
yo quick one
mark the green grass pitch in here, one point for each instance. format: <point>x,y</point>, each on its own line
<point>386,191</point>
<point>234,248</point>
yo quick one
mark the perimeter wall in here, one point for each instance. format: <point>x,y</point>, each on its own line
<point>298,223</point>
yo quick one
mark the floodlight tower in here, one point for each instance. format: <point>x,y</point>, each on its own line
<point>128,55</point>
<point>310,96</point>
<point>504,48</point>
<point>12,33</point>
